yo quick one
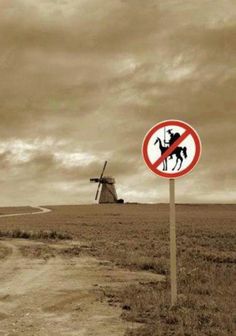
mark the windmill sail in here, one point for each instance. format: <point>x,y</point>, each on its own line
<point>100,180</point>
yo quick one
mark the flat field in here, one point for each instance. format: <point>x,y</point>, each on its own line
<point>15,210</point>
<point>111,267</point>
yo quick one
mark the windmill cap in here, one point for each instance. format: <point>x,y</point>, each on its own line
<point>108,179</point>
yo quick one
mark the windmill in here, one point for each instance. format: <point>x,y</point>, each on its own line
<point>108,193</point>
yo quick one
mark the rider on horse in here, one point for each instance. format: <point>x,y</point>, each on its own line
<point>173,138</point>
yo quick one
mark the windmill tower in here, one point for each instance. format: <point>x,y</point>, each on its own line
<point>108,193</point>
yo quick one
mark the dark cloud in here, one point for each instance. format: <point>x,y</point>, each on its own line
<point>93,77</point>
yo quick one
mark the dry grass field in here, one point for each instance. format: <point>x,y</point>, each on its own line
<point>15,210</point>
<point>136,237</point>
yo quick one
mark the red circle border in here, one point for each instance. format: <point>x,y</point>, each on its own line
<point>191,131</point>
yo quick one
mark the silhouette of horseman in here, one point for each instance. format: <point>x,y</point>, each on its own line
<point>173,138</point>
<point>178,151</point>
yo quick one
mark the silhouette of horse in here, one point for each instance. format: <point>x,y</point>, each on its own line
<point>177,152</point>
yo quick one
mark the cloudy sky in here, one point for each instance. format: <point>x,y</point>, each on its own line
<point>83,80</point>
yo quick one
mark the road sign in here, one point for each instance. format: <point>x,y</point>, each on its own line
<point>171,148</point>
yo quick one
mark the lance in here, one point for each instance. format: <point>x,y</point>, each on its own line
<point>164,136</point>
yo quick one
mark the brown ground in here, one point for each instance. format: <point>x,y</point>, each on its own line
<point>131,236</point>
<point>50,290</point>
<point>15,210</point>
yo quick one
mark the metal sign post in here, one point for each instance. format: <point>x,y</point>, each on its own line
<point>173,272</point>
<point>171,158</point>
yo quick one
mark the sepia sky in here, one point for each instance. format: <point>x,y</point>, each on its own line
<point>82,81</point>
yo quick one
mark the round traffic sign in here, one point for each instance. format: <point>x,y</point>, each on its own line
<point>171,148</point>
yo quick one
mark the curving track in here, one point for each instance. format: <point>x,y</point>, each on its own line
<point>41,210</point>
<point>45,294</point>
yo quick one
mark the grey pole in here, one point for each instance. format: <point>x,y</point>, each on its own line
<point>173,269</point>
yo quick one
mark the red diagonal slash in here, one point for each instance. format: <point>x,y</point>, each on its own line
<point>171,148</point>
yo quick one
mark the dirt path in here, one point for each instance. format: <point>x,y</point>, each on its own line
<point>59,295</point>
<point>40,210</point>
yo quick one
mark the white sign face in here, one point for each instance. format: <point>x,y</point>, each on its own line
<point>171,149</point>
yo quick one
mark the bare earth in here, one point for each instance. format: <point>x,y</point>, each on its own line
<point>15,210</point>
<point>104,270</point>
<point>57,295</point>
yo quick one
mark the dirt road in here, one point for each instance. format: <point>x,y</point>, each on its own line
<point>40,210</point>
<point>47,291</point>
